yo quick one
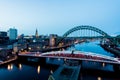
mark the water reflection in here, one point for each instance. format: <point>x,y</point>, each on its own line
<point>99,78</point>
<point>64,59</point>
<point>103,64</point>
<point>10,67</point>
<point>20,66</point>
<point>38,69</point>
<point>48,59</point>
<point>58,59</point>
<point>51,71</point>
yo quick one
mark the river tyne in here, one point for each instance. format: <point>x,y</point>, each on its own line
<point>30,70</point>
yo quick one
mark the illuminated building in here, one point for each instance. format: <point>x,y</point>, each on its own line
<point>52,40</point>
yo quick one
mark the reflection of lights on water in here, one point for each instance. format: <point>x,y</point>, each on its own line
<point>99,78</point>
<point>10,67</point>
<point>64,59</point>
<point>103,64</point>
<point>48,59</point>
<point>58,59</point>
<point>51,71</point>
<point>20,66</point>
<point>38,69</point>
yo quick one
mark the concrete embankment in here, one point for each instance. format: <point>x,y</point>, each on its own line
<point>9,60</point>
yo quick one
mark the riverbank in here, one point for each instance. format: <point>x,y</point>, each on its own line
<point>9,60</point>
<point>113,50</point>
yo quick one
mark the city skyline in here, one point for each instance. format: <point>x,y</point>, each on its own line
<point>57,17</point>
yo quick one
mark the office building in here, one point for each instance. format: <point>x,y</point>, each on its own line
<point>3,34</point>
<point>12,33</point>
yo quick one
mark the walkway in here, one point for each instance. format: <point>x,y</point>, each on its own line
<point>76,55</point>
<point>66,72</point>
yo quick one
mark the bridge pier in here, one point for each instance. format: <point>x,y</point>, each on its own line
<point>116,68</point>
<point>22,58</point>
<point>33,59</point>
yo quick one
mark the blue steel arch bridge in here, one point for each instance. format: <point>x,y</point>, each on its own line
<point>88,31</point>
<point>85,32</point>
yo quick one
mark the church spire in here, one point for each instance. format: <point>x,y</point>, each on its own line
<point>36,34</point>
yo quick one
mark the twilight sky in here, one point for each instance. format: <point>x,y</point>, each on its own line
<point>58,16</point>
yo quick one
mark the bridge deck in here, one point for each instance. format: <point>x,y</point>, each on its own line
<point>77,55</point>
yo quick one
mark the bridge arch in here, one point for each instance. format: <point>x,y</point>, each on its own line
<point>86,27</point>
